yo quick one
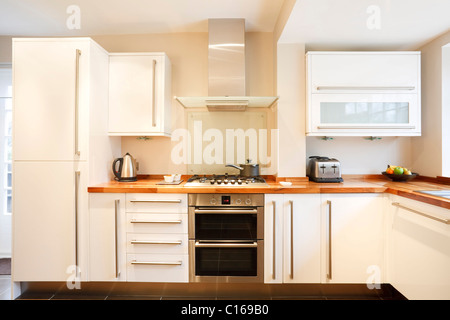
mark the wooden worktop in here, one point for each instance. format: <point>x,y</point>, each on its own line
<point>351,184</point>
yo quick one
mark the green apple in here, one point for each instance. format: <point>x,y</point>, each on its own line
<point>398,170</point>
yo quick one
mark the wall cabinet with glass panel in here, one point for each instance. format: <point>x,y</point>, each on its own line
<point>363,94</point>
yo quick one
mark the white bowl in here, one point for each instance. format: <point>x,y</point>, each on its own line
<point>168,178</point>
<point>285,183</point>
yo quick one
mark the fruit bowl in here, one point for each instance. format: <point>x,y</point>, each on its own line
<point>400,177</point>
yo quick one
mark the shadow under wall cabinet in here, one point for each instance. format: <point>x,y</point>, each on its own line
<point>140,94</point>
<point>363,93</point>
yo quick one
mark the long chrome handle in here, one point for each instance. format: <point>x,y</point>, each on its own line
<point>329,256</point>
<point>221,211</point>
<point>292,238</point>
<point>365,127</point>
<point>77,99</point>
<point>158,200</point>
<point>153,95</point>
<point>116,240</point>
<point>225,245</point>
<point>158,263</point>
<point>77,185</point>
<point>442,220</point>
<point>274,239</point>
<point>155,242</point>
<point>364,88</point>
<point>156,221</point>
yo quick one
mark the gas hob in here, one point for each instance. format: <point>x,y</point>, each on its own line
<point>225,181</point>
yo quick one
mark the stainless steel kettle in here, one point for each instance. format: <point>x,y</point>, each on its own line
<point>127,168</point>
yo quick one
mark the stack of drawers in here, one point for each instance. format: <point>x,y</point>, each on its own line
<point>157,237</point>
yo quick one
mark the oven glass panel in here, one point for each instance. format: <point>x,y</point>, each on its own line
<point>226,262</point>
<point>225,226</point>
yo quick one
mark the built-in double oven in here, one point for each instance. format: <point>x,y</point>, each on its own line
<point>226,237</point>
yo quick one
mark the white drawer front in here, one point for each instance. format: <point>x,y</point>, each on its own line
<point>157,223</point>
<point>157,268</point>
<point>156,202</point>
<point>174,243</point>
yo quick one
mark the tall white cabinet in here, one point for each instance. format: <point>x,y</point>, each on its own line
<point>60,146</point>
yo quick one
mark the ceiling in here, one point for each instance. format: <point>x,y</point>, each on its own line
<point>101,17</point>
<point>366,24</point>
<point>320,24</point>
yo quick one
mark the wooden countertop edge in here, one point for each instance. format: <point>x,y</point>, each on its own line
<point>354,184</point>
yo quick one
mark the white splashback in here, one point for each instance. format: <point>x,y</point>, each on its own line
<point>360,156</point>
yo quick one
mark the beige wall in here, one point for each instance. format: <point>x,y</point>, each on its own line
<point>427,152</point>
<point>188,53</point>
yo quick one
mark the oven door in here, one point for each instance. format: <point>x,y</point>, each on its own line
<point>226,261</point>
<point>226,223</point>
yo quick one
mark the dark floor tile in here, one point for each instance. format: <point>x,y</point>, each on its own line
<point>133,297</point>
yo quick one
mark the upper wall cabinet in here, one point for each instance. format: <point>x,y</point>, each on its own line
<point>139,94</point>
<point>363,94</point>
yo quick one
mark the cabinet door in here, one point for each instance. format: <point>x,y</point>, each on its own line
<point>301,229</point>
<point>136,94</point>
<point>419,258</point>
<point>50,82</point>
<point>353,238</point>
<point>107,240</point>
<point>273,238</point>
<point>46,202</point>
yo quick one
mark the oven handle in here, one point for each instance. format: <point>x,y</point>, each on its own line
<point>222,211</point>
<point>225,245</point>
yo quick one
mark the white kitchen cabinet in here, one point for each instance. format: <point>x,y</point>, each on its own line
<point>61,146</point>
<point>292,238</point>
<point>353,238</point>
<point>157,237</point>
<point>419,249</point>
<point>107,237</point>
<point>363,94</point>
<point>139,94</point>
<point>49,222</point>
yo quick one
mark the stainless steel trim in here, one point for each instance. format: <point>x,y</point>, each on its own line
<point>77,99</point>
<point>259,278</point>
<point>329,256</point>
<point>116,240</point>
<point>77,185</point>
<point>442,220</point>
<point>158,200</point>
<point>158,263</point>
<point>153,95</point>
<point>222,211</point>
<point>365,127</point>
<point>292,239</point>
<point>213,244</point>
<point>274,203</point>
<point>156,221</point>
<point>319,88</point>
<point>177,242</point>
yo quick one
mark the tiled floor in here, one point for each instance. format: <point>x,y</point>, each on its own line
<point>5,287</point>
<point>186,292</point>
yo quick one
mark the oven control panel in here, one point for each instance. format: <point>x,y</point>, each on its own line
<point>235,199</point>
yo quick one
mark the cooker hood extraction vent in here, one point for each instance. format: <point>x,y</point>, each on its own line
<point>226,71</point>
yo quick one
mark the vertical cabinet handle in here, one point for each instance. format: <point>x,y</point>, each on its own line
<point>116,240</point>
<point>77,185</point>
<point>77,98</point>
<point>274,204</point>
<point>153,95</point>
<point>292,238</point>
<point>329,255</point>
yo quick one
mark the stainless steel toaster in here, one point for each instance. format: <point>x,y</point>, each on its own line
<point>324,169</point>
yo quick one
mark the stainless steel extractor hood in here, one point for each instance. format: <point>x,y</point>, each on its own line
<point>226,70</point>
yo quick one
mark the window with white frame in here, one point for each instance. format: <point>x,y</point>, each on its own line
<point>6,139</point>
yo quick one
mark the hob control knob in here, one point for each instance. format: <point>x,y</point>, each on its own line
<point>213,201</point>
<point>238,201</point>
<point>248,201</point>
